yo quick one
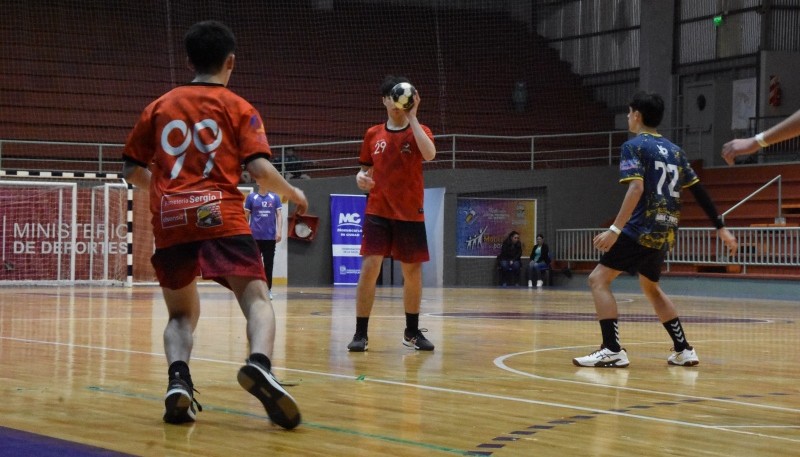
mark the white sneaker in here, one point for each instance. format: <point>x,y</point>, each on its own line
<point>539,283</point>
<point>270,295</point>
<point>530,283</point>
<point>685,358</point>
<point>603,358</point>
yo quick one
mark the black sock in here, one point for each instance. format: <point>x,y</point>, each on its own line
<point>261,359</point>
<point>180,369</point>
<point>675,330</point>
<point>610,330</point>
<point>362,324</point>
<point>412,323</point>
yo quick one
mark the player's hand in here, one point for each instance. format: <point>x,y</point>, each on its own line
<point>729,240</point>
<point>299,198</point>
<point>740,147</point>
<point>364,180</point>
<point>278,237</point>
<point>413,111</point>
<point>605,240</point>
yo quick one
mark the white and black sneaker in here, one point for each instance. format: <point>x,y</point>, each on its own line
<point>685,358</point>
<point>603,358</point>
<point>280,406</point>
<point>417,340</point>
<point>179,403</point>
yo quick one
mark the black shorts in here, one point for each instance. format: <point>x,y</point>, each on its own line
<point>405,241</point>
<point>628,255</point>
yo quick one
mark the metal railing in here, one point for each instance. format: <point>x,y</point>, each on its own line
<point>60,156</point>
<point>761,246</point>
<point>779,219</point>
<point>341,157</point>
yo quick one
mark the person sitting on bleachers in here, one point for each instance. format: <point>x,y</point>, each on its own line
<point>508,261</point>
<point>292,165</point>
<point>540,262</point>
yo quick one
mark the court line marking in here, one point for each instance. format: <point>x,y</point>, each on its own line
<point>451,391</point>
<point>304,423</point>
<point>500,363</point>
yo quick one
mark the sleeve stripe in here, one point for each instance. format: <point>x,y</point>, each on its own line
<point>630,178</point>
<point>692,183</point>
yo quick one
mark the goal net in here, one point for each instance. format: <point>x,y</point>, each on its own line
<point>63,232</point>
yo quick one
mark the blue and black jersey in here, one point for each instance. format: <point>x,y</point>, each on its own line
<point>665,171</point>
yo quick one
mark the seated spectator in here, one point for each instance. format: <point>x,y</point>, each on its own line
<point>540,262</point>
<point>291,166</point>
<point>508,261</point>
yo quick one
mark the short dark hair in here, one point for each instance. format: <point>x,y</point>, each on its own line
<point>391,81</point>
<point>208,44</point>
<point>650,105</point>
<point>539,235</point>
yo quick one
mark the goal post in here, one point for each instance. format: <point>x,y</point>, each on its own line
<point>106,204</point>
<point>63,231</point>
<point>39,231</point>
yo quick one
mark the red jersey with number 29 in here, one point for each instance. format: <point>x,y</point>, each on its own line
<point>396,163</point>
<point>194,140</point>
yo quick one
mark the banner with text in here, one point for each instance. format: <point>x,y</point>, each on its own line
<point>46,234</point>
<point>483,224</point>
<point>347,213</point>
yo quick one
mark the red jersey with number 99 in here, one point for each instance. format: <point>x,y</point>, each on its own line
<point>396,163</point>
<point>194,140</point>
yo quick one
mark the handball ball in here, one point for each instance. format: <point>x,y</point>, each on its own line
<point>403,95</point>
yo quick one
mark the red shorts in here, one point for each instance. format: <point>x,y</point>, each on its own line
<point>177,266</point>
<point>405,241</point>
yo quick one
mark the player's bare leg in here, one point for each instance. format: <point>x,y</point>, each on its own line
<point>412,286</point>
<point>183,306</point>
<point>600,281</point>
<point>683,353</point>
<point>662,305</point>
<point>610,354</point>
<point>256,375</point>
<point>412,297</point>
<point>365,298</point>
<point>257,309</point>
<point>365,291</point>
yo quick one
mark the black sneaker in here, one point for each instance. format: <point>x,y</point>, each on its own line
<point>360,343</point>
<point>417,340</point>
<point>280,406</point>
<point>179,403</point>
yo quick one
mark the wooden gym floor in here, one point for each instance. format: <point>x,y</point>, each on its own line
<point>85,366</point>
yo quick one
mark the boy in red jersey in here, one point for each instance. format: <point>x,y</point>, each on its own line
<point>391,170</point>
<point>187,150</point>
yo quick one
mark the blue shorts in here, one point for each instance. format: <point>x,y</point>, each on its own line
<point>405,241</point>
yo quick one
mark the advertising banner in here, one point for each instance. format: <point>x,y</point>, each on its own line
<point>347,213</point>
<point>484,223</point>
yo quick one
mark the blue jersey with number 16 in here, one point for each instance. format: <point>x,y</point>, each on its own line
<point>663,167</point>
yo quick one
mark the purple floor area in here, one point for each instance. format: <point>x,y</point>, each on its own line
<point>19,443</point>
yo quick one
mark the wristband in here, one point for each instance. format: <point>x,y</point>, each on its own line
<point>615,229</point>
<point>761,141</point>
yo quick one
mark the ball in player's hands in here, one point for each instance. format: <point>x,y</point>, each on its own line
<point>403,95</point>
